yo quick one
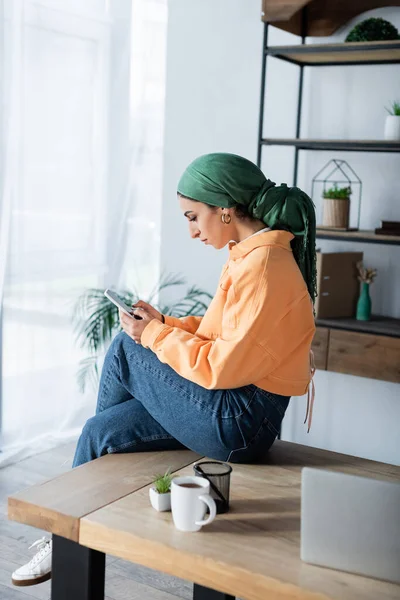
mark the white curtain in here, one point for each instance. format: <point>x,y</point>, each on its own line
<point>82,89</point>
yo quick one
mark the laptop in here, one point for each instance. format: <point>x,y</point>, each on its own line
<point>351,523</point>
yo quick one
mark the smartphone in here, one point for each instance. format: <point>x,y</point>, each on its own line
<point>115,299</point>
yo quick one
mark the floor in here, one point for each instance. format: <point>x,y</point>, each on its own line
<point>124,581</point>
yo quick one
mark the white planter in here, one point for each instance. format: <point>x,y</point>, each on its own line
<point>160,502</point>
<point>392,127</point>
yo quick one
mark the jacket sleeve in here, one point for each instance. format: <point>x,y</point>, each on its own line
<point>213,364</point>
<point>189,324</point>
<point>234,359</point>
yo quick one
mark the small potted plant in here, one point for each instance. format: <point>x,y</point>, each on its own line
<point>160,492</point>
<point>336,207</point>
<point>392,124</point>
<point>366,276</point>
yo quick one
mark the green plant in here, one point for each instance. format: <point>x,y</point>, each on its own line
<point>337,193</point>
<point>96,321</point>
<point>162,483</point>
<point>373,29</point>
<point>394,110</point>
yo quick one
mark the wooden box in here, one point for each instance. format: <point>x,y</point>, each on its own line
<point>337,284</point>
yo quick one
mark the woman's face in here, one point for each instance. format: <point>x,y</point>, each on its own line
<point>205,223</point>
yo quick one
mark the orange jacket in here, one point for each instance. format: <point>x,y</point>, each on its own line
<point>257,330</point>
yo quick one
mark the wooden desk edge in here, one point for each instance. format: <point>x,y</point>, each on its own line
<point>52,521</point>
<point>56,522</point>
<point>220,576</point>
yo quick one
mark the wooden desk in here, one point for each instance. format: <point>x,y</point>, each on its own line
<point>252,552</point>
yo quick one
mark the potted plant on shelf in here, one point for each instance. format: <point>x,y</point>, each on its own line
<point>160,492</point>
<point>392,123</point>
<point>366,276</point>
<point>336,207</point>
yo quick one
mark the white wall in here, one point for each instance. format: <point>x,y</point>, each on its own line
<point>212,104</point>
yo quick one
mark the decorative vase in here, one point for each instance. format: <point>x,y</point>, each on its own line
<point>364,304</point>
<point>392,127</point>
<point>336,213</point>
<point>160,502</point>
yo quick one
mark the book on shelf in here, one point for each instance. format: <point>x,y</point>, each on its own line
<point>388,228</point>
<point>390,225</point>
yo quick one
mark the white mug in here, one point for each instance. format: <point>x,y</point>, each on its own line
<point>190,497</point>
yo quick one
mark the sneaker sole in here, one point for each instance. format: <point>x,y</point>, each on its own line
<point>35,581</point>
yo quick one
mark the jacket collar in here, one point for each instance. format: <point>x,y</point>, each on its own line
<point>268,238</point>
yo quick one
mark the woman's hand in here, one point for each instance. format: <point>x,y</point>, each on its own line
<point>150,309</point>
<point>135,327</point>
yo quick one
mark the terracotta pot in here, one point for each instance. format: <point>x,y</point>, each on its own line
<point>336,212</point>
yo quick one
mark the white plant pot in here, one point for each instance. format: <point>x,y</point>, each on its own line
<point>160,502</point>
<point>392,127</point>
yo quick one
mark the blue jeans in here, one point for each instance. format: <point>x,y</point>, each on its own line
<point>145,405</point>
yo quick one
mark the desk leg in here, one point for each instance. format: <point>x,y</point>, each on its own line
<point>77,572</point>
<point>203,593</point>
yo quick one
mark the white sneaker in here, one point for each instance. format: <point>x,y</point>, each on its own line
<point>38,569</point>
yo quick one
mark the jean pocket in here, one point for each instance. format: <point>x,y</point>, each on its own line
<point>257,446</point>
<point>237,403</point>
<point>259,424</point>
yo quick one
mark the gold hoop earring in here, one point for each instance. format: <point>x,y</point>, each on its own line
<point>226,218</point>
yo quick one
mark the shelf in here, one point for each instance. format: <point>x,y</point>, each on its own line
<point>338,145</point>
<point>325,55</point>
<point>377,325</point>
<point>368,237</point>
<point>316,18</point>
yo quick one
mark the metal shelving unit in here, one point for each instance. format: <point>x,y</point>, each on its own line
<point>328,55</point>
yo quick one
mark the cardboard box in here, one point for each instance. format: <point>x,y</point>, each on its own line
<point>337,284</point>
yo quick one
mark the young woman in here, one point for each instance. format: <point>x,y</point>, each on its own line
<point>218,384</point>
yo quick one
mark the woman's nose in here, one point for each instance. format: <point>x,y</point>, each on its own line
<point>194,232</point>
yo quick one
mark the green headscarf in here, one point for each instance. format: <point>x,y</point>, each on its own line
<point>227,180</point>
